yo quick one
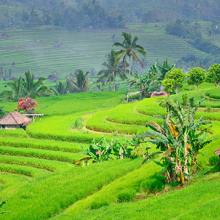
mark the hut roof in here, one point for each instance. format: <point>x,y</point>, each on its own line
<point>15,118</point>
<point>217,152</point>
<point>161,93</point>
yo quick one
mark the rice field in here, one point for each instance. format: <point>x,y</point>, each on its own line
<point>37,170</point>
<point>48,50</point>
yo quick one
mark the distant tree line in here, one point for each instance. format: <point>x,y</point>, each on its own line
<point>83,14</point>
<point>103,13</point>
<point>192,33</point>
<point>192,60</point>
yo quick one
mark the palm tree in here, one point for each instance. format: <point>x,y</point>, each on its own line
<point>32,87</point>
<point>26,86</point>
<point>112,70</point>
<point>129,51</point>
<point>164,68</point>
<point>146,83</point>
<point>16,88</point>
<point>78,82</point>
<point>61,88</point>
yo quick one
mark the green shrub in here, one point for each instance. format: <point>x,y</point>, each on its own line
<point>214,161</point>
<point>126,195</point>
<point>102,150</point>
<point>214,74</point>
<point>154,184</point>
<point>79,123</point>
<point>173,80</point>
<point>196,76</point>
<point>98,204</point>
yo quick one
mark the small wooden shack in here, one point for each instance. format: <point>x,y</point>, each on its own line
<point>14,120</point>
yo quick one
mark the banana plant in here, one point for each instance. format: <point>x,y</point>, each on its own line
<point>180,138</point>
<point>99,151</point>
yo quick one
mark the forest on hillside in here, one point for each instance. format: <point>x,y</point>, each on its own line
<point>78,14</point>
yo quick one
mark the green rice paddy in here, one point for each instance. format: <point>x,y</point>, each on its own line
<point>38,178</point>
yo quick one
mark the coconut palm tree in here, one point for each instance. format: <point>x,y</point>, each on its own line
<point>16,88</point>
<point>27,86</point>
<point>129,51</point>
<point>111,71</point>
<point>61,88</point>
<point>78,82</point>
<point>32,87</point>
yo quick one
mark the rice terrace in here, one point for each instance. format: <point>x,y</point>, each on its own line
<point>109,110</point>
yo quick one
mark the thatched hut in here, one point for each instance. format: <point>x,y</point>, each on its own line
<point>14,120</point>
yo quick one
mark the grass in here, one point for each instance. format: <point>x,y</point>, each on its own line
<point>42,154</point>
<point>214,93</point>
<point>199,200</point>
<point>109,194</point>
<point>63,189</point>
<point>49,165</point>
<point>99,122</point>
<point>8,182</point>
<point>14,169</point>
<point>43,144</point>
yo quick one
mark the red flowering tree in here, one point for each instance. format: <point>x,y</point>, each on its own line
<point>27,104</point>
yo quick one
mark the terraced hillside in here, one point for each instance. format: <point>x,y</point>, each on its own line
<point>48,50</point>
<point>37,171</point>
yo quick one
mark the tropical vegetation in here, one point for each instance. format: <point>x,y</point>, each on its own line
<point>180,138</point>
<point>27,86</point>
<point>196,76</point>
<point>174,80</point>
<point>112,71</point>
<point>129,52</point>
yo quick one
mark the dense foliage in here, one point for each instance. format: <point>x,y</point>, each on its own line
<point>214,74</point>
<point>77,15</point>
<point>196,76</point>
<point>27,86</point>
<point>146,83</point>
<point>101,13</point>
<point>173,80</point>
<point>103,150</point>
